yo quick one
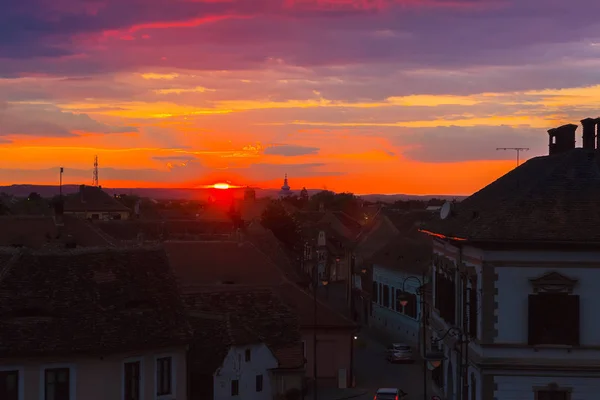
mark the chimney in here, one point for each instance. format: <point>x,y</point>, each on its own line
<point>589,133</point>
<point>562,139</point>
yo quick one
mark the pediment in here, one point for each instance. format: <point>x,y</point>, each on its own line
<point>553,282</point>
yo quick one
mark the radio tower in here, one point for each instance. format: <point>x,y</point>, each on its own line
<point>95,179</point>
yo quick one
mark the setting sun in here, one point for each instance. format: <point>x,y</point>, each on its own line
<point>221,186</point>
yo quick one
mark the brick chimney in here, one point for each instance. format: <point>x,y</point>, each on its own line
<point>589,132</point>
<point>562,139</point>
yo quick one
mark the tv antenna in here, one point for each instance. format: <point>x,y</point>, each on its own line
<point>95,179</point>
<point>517,149</point>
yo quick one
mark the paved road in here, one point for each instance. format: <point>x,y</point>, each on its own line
<point>373,371</point>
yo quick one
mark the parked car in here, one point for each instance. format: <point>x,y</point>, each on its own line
<point>389,394</point>
<point>400,353</point>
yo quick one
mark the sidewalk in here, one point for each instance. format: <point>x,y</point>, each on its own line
<point>327,393</point>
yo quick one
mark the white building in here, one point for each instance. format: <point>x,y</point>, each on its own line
<point>245,373</point>
<point>399,270</point>
<point>517,270</point>
<point>228,360</point>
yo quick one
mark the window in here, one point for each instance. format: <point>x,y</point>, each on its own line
<point>553,319</point>
<point>259,383</point>
<point>473,307</point>
<point>248,355</point>
<point>132,381</point>
<point>163,376</point>
<point>445,298</point>
<point>235,387</point>
<point>57,384</point>
<point>386,296</point>
<point>375,292</point>
<point>9,385</point>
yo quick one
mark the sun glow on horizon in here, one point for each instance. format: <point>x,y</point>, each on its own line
<point>222,186</point>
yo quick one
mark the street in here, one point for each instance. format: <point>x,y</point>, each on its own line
<point>373,371</point>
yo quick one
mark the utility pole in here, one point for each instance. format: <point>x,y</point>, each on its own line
<point>517,149</point>
<point>60,182</point>
<point>95,178</point>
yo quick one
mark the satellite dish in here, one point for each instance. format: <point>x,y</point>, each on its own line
<point>445,210</point>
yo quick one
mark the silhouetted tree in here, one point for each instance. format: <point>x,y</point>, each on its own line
<point>284,226</point>
<point>34,196</point>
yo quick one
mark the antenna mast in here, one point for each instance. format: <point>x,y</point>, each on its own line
<point>517,149</point>
<point>95,179</point>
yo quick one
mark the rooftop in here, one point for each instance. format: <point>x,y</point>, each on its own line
<point>92,198</point>
<point>221,262</point>
<point>547,199</point>
<point>88,302</point>
<point>410,254</point>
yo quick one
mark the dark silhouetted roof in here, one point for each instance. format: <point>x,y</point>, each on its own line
<point>163,229</point>
<point>36,232</point>
<point>89,302</point>
<point>546,199</point>
<point>91,198</point>
<point>410,254</point>
<point>238,317</point>
<point>214,262</point>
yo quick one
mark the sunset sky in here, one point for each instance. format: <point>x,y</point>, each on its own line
<point>369,96</point>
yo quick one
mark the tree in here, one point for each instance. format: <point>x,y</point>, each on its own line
<point>34,196</point>
<point>346,202</point>
<point>284,226</point>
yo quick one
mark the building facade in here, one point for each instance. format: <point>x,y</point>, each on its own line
<point>516,271</point>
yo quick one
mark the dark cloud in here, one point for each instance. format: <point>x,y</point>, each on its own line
<point>253,33</point>
<point>48,120</point>
<point>288,150</point>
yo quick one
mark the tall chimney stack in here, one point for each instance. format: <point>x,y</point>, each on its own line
<point>562,139</point>
<point>589,133</point>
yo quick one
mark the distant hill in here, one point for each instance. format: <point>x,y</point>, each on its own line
<point>48,191</point>
<point>390,198</point>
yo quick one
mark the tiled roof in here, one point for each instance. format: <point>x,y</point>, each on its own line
<point>407,222</point>
<point>302,302</point>
<point>38,232</point>
<point>247,316</point>
<point>549,199</point>
<point>268,244</point>
<point>89,302</point>
<point>163,229</point>
<point>410,254</point>
<point>213,336</point>
<point>91,198</point>
<point>215,262</point>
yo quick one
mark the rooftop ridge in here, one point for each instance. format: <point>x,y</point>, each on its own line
<point>93,250</point>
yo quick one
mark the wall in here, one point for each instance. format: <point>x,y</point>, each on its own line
<point>521,387</point>
<point>100,378</point>
<point>236,367</point>
<point>333,353</point>
<point>514,288</point>
<point>405,328</point>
